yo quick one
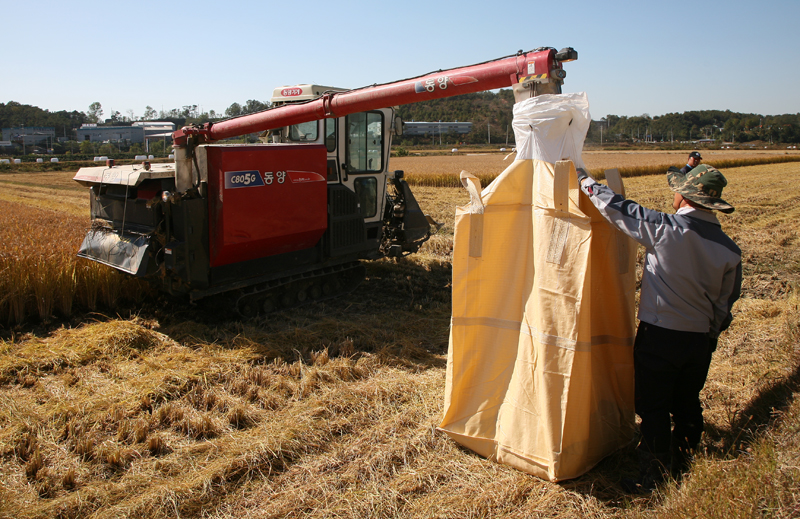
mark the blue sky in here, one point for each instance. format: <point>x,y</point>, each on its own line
<point>634,57</point>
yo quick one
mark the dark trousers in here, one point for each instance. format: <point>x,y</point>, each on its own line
<point>671,368</point>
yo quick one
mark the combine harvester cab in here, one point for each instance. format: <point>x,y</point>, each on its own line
<point>284,221</point>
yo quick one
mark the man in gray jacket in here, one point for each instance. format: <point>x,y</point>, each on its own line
<point>692,276</point>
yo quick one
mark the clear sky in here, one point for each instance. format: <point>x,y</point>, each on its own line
<point>635,57</point>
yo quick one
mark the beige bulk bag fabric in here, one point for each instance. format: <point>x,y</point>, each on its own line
<point>540,361</point>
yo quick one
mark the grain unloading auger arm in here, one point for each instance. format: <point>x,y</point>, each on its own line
<point>529,73</point>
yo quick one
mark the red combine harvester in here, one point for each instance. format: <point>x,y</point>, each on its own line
<point>285,221</point>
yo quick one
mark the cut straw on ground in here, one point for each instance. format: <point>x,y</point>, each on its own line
<point>331,410</point>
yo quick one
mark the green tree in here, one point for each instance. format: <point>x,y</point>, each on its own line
<point>253,106</point>
<point>172,113</point>
<point>149,113</point>
<point>234,110</point>
<point>157,148</point>
<point>188,111</point>
<point>87,148</point>
<point>71,147</point>
<point>95,112</point>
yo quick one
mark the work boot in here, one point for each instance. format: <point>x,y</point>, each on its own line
<point>684,445</point>
<point>682,458</point>
<point>653,467</point>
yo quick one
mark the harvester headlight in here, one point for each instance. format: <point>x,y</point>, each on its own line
<point>166,196</point>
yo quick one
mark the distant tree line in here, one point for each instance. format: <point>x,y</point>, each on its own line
<point>16,115</point>
<point>490,114</point>
<point>716,125</point>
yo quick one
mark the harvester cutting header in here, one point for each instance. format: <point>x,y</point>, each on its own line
<point>285,221</point>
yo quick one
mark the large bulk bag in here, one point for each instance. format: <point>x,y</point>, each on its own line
<point>540,360</point>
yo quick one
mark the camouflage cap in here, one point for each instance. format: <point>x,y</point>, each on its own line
<point>702,185</point>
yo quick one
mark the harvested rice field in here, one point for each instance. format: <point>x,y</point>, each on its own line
<point>130,404</point>
<point>443,170</point>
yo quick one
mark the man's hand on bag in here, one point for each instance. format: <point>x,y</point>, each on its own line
<point>583,175</point>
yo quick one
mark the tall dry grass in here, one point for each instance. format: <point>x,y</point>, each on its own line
<point>40,274</point>
<point>442,171</point>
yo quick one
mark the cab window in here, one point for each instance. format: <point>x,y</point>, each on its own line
<point>330,134</point>
<point>303,132</point>
<point>365,142</point>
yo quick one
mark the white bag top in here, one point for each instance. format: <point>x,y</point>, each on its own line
<point>552,127</point>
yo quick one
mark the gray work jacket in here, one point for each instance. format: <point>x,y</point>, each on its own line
<point>692,269</point>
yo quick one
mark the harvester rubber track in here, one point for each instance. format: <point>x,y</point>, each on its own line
<point>299,289</point>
